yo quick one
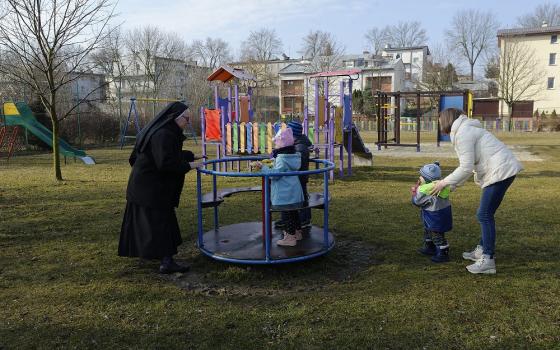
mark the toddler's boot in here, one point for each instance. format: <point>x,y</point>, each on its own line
<point>288,240</point>
<point>442,254</point>
<point>428,248</point>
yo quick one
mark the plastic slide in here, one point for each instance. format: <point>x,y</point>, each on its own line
<point>358,146</point>
<point>20,114</point>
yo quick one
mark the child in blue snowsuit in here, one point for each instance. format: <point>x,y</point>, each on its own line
<point>436,213</point>
<point>286,192</point>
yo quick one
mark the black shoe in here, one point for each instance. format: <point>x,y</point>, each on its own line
<point>172,267</point>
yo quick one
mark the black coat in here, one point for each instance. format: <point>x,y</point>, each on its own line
<point>302,145</point>
<point>158,172</point>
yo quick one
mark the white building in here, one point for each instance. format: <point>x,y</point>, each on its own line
<point>543,45</point>
<point>414,59</point>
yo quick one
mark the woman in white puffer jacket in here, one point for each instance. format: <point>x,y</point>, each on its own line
<point>494,167</point>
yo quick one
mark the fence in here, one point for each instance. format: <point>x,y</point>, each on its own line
<point>430,125</point>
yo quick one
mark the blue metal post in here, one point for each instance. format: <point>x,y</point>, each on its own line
<point>267,233</point>
<point>350,126</point>
<point>326,210</point>
<point>199,205</point>
<point>215,194</point>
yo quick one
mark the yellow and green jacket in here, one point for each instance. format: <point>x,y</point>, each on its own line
<point>436,210</point>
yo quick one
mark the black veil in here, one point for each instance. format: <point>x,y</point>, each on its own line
<point>169,113</point>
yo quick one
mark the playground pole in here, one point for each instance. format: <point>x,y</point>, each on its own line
<point>350,126</point>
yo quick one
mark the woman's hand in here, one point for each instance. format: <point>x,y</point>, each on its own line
<point>196,165</point>
<point>438,187</point>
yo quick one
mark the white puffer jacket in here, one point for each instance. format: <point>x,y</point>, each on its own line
<point>480,152</point>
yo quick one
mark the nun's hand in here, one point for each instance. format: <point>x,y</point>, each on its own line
<point>438,187</point>
<point>196,165</point>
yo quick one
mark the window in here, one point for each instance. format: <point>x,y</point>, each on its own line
<point>553,39</point>
<point>550,83</point>
<point>415,60</point>
<point>552,59</point>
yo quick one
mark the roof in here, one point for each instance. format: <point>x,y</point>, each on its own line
<point>337,73</point>
<point>294,68</point>
<point>529,31</point>
<point>404,48</point>
<point>226,73</point>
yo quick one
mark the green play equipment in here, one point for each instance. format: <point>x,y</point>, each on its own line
<point>19,114</point>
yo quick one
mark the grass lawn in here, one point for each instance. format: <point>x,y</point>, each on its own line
<point>63,286</point>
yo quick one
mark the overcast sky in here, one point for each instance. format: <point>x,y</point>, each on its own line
<point>348,20</point>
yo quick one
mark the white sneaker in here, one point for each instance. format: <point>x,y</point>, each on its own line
<point>288,240</point>
<point>299,235</point>
<point>483,265</point>
<point>474,255</point>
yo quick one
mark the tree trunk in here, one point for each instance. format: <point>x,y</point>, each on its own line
<point>55,145</point>
<point>472,72</point>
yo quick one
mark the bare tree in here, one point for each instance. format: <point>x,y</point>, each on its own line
<point>322,50</point>
<point>47,44</point>
<point>110,59</point>
<point>472,34</point>
<point>439,72</point>
<point>261,45</point>
<point>376,39</point>
<point>154,54</point>
<point>547,12</point>
<point>519,77</point>
<point>406,34</point>
<point>211,53</point>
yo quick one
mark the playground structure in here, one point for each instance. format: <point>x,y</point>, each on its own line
<point>335,123</point>
<point>20,115</point>
<point>133,118</point>
<point>392,101</point>
<point>229,125</point>
<point>232,128</point>
<point>253,242</point>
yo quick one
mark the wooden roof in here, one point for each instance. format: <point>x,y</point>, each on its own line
<point>226,73</point>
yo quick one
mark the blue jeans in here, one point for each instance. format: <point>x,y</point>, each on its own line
<point>489,202</point>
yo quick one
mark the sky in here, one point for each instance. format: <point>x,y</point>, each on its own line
<point>347,20</point>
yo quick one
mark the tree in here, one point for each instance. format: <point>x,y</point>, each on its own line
<point>405,34</point>
<point>439,72</point>
<point>358,101</point>
<point>518,78</point>
<point>47,44</point>
<point>547,12</point>
<point>110,60</point>
<point>155,55</point>
<point>322,50</point>
<point>376,39</point>
<point>211,53</point>
<point>261,46</point>
<point>472,34</point>
<point>492,68</point>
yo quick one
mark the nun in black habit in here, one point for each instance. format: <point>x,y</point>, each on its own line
<point>149,229</point>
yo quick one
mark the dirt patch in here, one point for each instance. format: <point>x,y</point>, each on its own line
<point>444,151</point>
<point>341,265</point>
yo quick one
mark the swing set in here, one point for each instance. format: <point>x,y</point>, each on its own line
<point>134,119</point>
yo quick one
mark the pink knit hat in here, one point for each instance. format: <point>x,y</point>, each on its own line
<point>284,138</point>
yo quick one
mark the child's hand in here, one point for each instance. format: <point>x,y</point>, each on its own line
<point>414,188</point>
<point>256,165</point>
